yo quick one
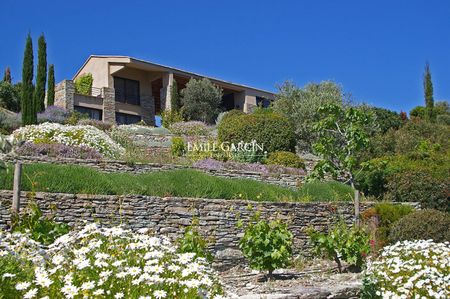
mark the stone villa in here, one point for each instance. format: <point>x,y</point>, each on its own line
<point>127,90</point>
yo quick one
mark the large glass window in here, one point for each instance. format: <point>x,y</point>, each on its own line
<point>127,91</point>
<point>263,102</point>
<point>127,119</point>
<point>93,113</point>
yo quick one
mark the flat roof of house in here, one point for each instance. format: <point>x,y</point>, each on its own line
<point>169,68</point>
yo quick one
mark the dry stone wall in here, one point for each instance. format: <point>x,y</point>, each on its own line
<point>169,216</point>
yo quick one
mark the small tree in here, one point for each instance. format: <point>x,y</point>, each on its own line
<point>342,136</point>
<point>267,245</point>
<point>201,100</point>
<point>29,115</point>
<point>428,90</point>
<point>41,75</point>
<point>9,97</point>
<point>51,85</point>
<point>300,106</point>
<point>7,76</point>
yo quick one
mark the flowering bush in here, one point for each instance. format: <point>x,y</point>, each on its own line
<point>101,125</point>
<point>83,136</point>
<point>418,269</point>
<point>97,262</point>
<point>53,114</point>
<point>190,128</point>
<point>58,150</point>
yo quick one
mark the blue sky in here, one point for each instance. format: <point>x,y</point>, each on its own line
<point>375,49</point>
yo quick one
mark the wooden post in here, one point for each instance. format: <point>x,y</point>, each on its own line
<point>356,207</point>
<point>16,188</point>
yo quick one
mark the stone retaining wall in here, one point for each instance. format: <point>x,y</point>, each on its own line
<point>169,216</point>
<point>285,180</point>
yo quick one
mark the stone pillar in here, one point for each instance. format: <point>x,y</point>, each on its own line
<point>148,109</point>
<point>109,104</point>
<point>250,103</point>
<point>166,91</point>
<point>64,95</point>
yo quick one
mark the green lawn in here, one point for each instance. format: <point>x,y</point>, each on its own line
<point>183,183</point>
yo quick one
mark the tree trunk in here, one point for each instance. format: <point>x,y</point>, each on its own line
<point>356,203</point>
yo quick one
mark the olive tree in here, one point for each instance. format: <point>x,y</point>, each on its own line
<point>300,106</point>
<point>201,100</point>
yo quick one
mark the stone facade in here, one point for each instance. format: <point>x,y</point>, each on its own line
<point>109,105</point>
<point>169,216</point>
<point>110,166</point>
<point>64,95</point>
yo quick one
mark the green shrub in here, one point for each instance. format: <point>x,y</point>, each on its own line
<point>413,186</point>
<point>341,243</point>
<point>422,225</point>
<point>43,229</point>
<point>372,179</point>
<point>387,214</point>
<point>83,84</point>
<point>75,117</point>
<point>267,245</point>
<point>287,159</point>
<point>193,241</point>
<point>168,117</point>
<point>178,148</point>
<point>443,119</point>
<point>272,131</point>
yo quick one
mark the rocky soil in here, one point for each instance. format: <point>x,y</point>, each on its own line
<point>316,280</point>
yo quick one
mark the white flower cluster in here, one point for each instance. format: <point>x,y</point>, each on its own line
<point>412,269</point>
<point>84,136</point>
<point>99,262</point>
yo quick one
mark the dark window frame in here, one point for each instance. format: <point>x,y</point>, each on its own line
<point>127,115</point>
<point>86,110</point>
<point>125,96</point>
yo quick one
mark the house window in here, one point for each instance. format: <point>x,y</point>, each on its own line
<point>263,102</point>
<point>127,91</point>
<point>93,113</point>
<point>127,119</point>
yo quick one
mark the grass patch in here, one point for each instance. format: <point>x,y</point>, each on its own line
<point>182,183</point>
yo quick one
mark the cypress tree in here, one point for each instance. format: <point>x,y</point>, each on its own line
<point>28,111</point>
<point>41,75</point>
<point>7,76</point>
<point>428,90</point>
<point>51,85</point>
<point>175,97</point>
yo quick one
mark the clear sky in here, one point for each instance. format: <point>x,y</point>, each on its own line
<point>376,49</point>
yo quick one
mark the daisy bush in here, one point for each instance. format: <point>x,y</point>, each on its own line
<point>410,269</point>
<point>99,262</point>
<point>82,136</point>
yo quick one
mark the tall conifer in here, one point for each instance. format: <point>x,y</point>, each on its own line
<point>28,111</point>
<point>51,85</point>
<point>41,75</point>
<point>428,90</point>
<point>7,76</point>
